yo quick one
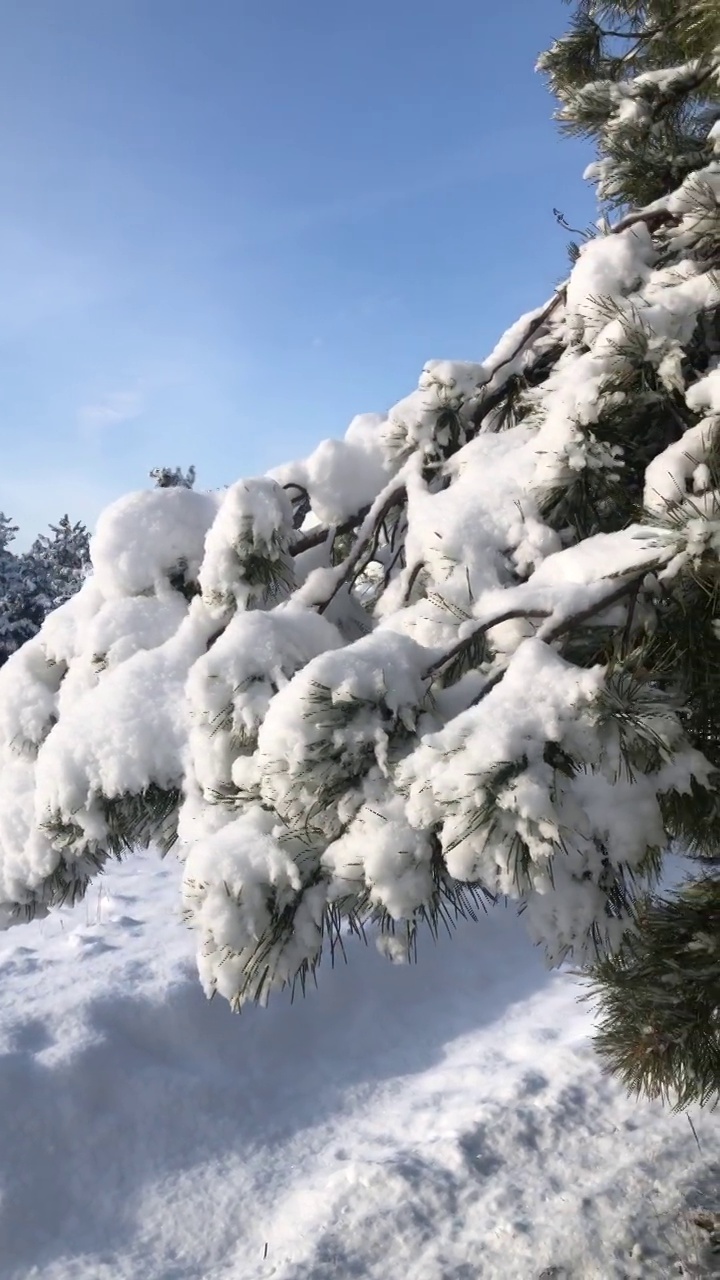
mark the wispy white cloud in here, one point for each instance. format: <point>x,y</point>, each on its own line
<point>112,410</point>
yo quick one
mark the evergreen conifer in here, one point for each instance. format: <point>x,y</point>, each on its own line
<point>471,652</point>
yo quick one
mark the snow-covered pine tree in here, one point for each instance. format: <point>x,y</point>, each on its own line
<point>468,652</point>
<point>60,561</point>
<point>641,80</point>
<point>173,477</point>
<point>22,601</point>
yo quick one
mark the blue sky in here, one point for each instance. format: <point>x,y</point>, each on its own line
<point>227,227</point>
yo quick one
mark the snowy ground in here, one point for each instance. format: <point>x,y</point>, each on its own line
<point>441,1122</point>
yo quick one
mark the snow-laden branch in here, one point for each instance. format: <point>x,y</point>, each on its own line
<point>366,541</point>
<point>511,352</point>
<point>378,738</point>
<point>316,536</point>
<point>561,618</point>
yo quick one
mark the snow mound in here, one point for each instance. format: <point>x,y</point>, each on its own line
<point>447,1120</point>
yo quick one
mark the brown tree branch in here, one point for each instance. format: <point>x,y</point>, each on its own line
<point>521,611</point>
<point>366,541</point>
<point>315,537</point>
<point>490,401</point>
<point>653,219</point>
<point>628,584</point>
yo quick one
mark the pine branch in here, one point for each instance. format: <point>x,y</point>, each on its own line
<point>487,403</point>
<point>366,543</point>
<point>640,36</point>
<point>652,218</point>
<point>629,583</point>
<point>469,640</point>
<point>644,37</point>
<point>301,504</point>
<point>315,537</point>
<point>659,999</point>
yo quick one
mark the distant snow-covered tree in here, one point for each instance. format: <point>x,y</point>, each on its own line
<point>61,560</point>
<point>173,477</point>
<point>34,582</point>
<point>470,651</point>
<point>22,601</point>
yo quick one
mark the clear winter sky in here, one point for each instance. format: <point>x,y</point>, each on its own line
<point>226,226</point>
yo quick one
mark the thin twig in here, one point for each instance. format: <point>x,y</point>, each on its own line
<point>414,572</point>
<point>388,572</point>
